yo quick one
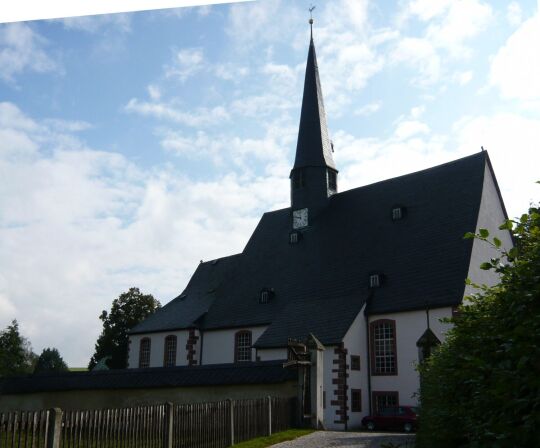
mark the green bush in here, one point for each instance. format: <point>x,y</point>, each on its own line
<point>481,388</point>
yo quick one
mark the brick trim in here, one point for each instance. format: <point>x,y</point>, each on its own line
<point>339,380</point>
<point>372,326</point>
<point>191,347</point>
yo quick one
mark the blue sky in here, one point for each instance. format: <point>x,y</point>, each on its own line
<point>134,145</point>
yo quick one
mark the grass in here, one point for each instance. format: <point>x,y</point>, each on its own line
<point>278,437</point>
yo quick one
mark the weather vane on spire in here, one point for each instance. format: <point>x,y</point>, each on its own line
<point>311,18</point>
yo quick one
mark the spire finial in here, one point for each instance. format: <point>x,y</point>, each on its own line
<point>311,8</point>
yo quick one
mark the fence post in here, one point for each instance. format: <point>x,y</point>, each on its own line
<point>231,410</point>
<point>269,415</point>
<point>168,426</point>
<point>54,430</point>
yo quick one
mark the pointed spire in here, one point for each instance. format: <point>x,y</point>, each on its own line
<point>313,147</point>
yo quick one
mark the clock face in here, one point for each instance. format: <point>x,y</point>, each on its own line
<point>300,218</point>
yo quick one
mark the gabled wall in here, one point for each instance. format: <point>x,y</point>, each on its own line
<point>409,328</point>
<point>490,216</point>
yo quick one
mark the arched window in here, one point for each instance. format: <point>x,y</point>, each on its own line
<point>144,353</point>
<point>169,353</point>
<point>242,346</point>
<point>383,347</point>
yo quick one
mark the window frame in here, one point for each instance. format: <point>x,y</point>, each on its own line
<point>238,347</point>
<point>353,365</point>
<point>372,347</point>
<point>166,350</point>
<point>148,350</point>
<point>380,393</point>
<point>356,405</point>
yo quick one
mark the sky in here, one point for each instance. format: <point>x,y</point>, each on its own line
<point>134,145</point>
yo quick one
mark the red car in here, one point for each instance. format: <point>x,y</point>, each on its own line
<point>402,418</point>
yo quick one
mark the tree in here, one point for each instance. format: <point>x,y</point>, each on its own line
<point>127,310</point>
<point>482,387</point>
<point>16,356</point>
<point>50,361</point>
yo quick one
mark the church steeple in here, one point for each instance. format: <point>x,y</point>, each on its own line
<point>314,174</point>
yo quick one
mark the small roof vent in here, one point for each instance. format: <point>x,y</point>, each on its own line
<point>398,212</point>
<point>182,296</point>
<point>375,280</point>
<point>294,237</point>
<point>214,262</point>
<point>266,295</point>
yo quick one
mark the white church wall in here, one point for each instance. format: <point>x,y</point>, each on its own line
<point>490,217</point>
<point>409,327</point>
<point>355,343</point>
<point>271,354</point>
<point>157,346</point>
<point>218,345</point>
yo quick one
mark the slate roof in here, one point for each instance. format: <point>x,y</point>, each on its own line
<point>321,283</point>
<point>267,372</point>
<point>313,147</point>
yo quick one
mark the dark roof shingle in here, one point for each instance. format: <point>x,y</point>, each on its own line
<point>321,283</point>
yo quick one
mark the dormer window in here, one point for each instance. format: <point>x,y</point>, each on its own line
<point>294,237</point>
<point>374,280</point>
<point>266,295</point>
<point>398,213</point>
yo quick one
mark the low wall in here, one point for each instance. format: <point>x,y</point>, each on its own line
<point>100,399</point>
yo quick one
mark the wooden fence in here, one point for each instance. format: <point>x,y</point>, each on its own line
<point>199,425</point>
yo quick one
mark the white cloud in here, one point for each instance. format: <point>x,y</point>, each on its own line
<point>67,125</point>
<point>368,109</point>
<point>420,54</point>
<point>186,63</point>
<point>465,19</point>
<point>450,25</point>
<point>408,128</point>
<point>22,50</point>
<point>154,92</point>
<point>98,23</point>
<point>462,77</point>
<point>252,22</point>
<point>231,72</point>
<point>514,14</point>
<point>513,143</point>
<point>515,69</point>
<point>163,111</point>
<point>86,225</point>
<point>427,9</point>
<point>224,148</point>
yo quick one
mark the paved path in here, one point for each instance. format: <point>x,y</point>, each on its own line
<point>324,439</point>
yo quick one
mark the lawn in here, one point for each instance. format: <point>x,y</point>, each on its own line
<point>278,437</point>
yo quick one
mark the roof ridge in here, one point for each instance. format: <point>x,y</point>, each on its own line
<point>425,170</point>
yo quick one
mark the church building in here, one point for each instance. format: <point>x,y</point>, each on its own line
<point>364,275</point>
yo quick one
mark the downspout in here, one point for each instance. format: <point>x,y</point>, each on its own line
<point>368,351</point>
